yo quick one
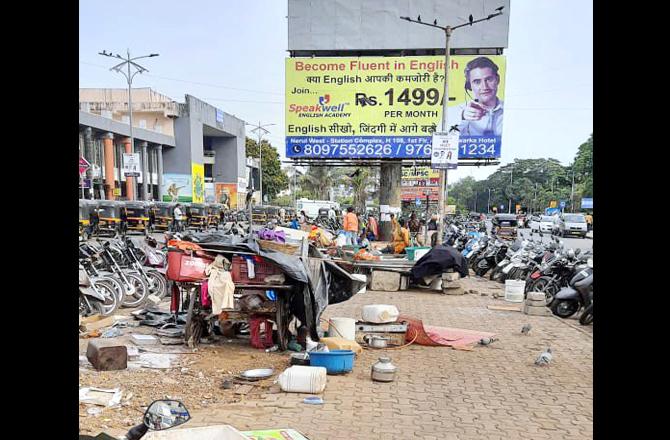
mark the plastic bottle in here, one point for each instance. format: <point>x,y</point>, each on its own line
<point>271,349</point>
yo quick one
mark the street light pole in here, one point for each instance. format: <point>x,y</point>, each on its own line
<point>260,130</point>
<point>488,204</point>
<point>511,174</point>
<point>127,61</point>
<point>444,185</point>
<point>572,191</point>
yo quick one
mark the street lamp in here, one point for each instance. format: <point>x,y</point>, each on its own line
<point>444,189</point>
<point>260,129</point>
<point>127,62</point>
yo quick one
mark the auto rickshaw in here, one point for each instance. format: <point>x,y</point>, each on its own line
<point>214,214</point>
<point>110,217</point>
<point>258,215</point>
<point>137,216</point>
<point>505,225</point>
<point>163,215</point>
<point>197,215</point>
<point>88,218</point>
<point>272,213</point>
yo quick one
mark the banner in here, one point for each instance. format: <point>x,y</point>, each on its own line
<point>419,177</point>
<point>177,188</point>
<point>412,193</point>
<point>198,175</point>
<point>388,107</point>
<point>226,194</point>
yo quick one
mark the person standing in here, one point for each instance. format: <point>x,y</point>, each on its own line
<point>178,215</point>
<point>589,221</point>
<point>351,226</point>
<point>373,227</point>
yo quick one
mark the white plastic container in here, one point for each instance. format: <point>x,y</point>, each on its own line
<point>343,328</point>
<point>302,379</point>
<point>514,290</point>
<point>215,432</point>
<point>380,313</point>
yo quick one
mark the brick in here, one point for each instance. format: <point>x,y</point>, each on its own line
<point>382,280</point>
<point>536,296</point>
<point>107,355</point>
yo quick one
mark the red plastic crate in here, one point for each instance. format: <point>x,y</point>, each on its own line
<point>183,267</point>
<point>262,269</point>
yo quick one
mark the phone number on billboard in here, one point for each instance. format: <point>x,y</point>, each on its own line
<point>420,150</point>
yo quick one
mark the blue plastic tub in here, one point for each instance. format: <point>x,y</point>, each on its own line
<point>335,361</point>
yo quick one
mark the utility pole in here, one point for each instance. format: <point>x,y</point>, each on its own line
<point>488,204</point>
<point>511,174</point>
<point>572,191</point>
<point>127,61</point>
<point>260,130</point>
<point>475,201</point>
<point>444,185</point>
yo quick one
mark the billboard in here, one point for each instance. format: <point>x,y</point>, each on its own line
<point>409,193</point>
<point>177,187</point>
<point>198,174</point>
<point>388,107</point>
<point>419,177</point>
<point>376,25</point>
<point>226,194</point>
<point>587,203</point>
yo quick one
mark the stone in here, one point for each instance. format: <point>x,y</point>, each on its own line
<point>537,303</point>
<point>107,355</point>
<point>453,291</point>
<point>451,276</point>
<point>383,280</point>
<point>536,296</point>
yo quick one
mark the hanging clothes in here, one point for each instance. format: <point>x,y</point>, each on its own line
<point>220,285</point>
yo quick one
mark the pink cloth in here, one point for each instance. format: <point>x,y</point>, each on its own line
<point>204,290</point>
<point>434,336</point>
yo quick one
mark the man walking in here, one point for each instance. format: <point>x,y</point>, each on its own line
<point>351,226</point>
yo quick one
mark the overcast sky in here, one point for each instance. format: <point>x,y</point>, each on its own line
<point>231,54</point>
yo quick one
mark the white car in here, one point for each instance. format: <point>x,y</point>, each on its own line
<point>543,223</point>
<point>572,224</point>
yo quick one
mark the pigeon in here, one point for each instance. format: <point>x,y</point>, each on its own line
<point>435,22</point>
<point>487,341</point>
<point>355,173</point>
<point>544,358</point>
<point>471,18</point>
<point>418,18</point>
<point>525,329</point>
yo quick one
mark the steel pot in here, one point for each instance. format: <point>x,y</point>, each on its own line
<point>376,341</point>
<point>383,370</point>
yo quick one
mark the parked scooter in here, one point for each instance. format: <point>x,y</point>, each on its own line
<point>161,415</point>
<point>570,299</point>
<point>91,300</point>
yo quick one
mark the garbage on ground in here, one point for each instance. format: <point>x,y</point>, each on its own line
<point>95,322</point>
<point>94,411</point>
<point>313,400</point>
<point>302,379</point>
<point>112,332</point>
<point>100,396</point>
<point>143,339</point>
<point>380,313</point>
<point>274,434</point>
<point>159,361</point>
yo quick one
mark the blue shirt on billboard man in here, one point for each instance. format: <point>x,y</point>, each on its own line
<point>483,115</point>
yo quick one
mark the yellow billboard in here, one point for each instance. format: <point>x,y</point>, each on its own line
<point>388,107</point>
<point>198,177</point>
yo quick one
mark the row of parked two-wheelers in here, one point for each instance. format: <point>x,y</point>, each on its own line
<point>119,273</point>
<point>565,276</point>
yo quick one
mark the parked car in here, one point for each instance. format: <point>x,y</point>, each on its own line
<point>542,223</point>
<point>570,224</point>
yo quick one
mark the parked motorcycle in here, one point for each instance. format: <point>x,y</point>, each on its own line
<point>578,294</point>
<point>159,416</point>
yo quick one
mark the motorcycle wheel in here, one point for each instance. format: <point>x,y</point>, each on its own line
<point>587,316</point>
<point>496,273</point>
<point>108,290</point>
<point>157,283</point>
<point>96,307</point>
<point>141,291</point>
<point>564,308</point>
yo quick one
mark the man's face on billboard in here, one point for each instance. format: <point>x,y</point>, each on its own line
<point>484,83</point>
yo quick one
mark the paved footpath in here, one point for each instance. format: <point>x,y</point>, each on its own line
<point>493,392</point>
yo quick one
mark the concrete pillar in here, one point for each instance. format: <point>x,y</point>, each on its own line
<point>88,155</point>
<point>145,171</point>
<point>130,181</point>
<point>108,142</point>
<point>389,194</point>
<point>159,170</point>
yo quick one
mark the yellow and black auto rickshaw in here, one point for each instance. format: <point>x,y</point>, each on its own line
<point>197,215</point>
<point>137,216</point>
<point>163,215</point>
<point>258,215</point>
<point>505,225</point>
<point>87,218</point>
<point>110,220</point>
<point>214,215</point>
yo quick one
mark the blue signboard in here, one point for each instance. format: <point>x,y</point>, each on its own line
<point>587,203</point>
<point>385,147</point>
<point>551,211</point>
<point>562,204</point>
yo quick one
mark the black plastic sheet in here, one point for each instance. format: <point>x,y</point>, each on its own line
<point>437,260</point>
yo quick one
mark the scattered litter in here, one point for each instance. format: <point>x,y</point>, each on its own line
<point>184,370</point>
<point>313,400</point>
<point>100,396</point>
<point>155,300</point>
<point>133,352</point>
<point>144,339</point>
<point>154,360</point>
<point>112,332</point>
<point>171,341</point>
<point>94,411</point>
<point>91,334</point>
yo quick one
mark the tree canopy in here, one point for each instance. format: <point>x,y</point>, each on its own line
<point>274,178</point>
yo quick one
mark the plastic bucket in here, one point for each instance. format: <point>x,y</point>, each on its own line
<point>302,379</point>
<point>514,290</point>
<point>335,361</point>
<point>342,327</point>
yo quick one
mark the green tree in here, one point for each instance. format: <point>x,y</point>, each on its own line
<point>318,181</point>
<point>274,178</point>
<point>583,165</point>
